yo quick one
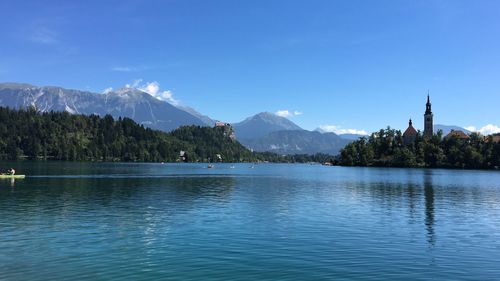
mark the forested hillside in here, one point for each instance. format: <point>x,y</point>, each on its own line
<point>63,136</point>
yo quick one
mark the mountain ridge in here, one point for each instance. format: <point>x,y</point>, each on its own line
<point>261,124</point>
<point>297,142</point>
<point>125,102</point>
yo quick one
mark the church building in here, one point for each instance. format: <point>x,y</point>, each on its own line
<point>410,134</point>
<point>428,122</point>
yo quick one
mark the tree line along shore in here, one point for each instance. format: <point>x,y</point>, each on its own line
<point>29,134</point>
<point>387,148</point>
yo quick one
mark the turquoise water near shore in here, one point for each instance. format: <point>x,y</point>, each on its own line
<point>128,221</point>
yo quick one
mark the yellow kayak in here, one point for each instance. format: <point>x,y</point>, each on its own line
<point>5,176</point>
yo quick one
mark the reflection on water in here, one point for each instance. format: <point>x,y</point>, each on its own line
<point>272,222</point>
<point>429,206</point>
<point>11,182</point>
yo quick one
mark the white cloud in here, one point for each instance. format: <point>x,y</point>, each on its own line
<point>283,113</point>
<point>135,84</point>
<point>485,130</point>
<point>339,130</point>
<point>154,89</point>
<point>44,35</point>
<point>286,113</point>
<point>168,96</point>
<point>107,90</point>
<point>151,88</point>
<point>122,68</point>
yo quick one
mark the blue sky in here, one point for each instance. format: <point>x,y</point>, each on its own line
<point>359,65</point>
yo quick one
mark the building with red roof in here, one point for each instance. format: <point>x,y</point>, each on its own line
<point>410,134</point>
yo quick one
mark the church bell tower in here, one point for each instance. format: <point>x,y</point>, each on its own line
<point>428,123</point>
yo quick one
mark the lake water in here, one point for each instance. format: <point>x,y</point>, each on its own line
<point>102,221</point>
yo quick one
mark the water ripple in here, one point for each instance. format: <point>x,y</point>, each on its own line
<point>274,222</point>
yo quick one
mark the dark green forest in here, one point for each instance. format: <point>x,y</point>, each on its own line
<point>29,134</point>
<point>386,149</point>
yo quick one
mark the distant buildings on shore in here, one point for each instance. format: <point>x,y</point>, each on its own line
<point>411,133</point>
<point>458,134</point>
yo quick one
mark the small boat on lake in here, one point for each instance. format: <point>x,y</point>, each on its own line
<point>210,166</point>
<point>6,176</point>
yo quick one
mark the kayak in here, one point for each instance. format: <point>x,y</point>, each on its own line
<point>3,176</point>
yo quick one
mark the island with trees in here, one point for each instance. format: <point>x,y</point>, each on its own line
<point>387,148</point>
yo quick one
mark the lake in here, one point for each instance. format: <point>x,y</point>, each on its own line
<point>130,221</point>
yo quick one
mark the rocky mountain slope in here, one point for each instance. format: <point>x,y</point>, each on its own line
<point>126,102</point>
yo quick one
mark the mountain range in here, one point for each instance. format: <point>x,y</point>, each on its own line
<point>297,142</point>
<point>269,132</point>
<point>127,102</point>
<point>262,132</point>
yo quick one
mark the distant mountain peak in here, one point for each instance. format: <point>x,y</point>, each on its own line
<point>272,118</point>
<point>266,114</point>
<point>261,124</point>
<point>128,91</point>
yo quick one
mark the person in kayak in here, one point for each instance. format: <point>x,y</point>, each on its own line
<point>11,171</point>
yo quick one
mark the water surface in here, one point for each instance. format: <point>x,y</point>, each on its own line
<point>104,221</point>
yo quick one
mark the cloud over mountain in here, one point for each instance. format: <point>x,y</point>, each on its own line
<point>107,90</point>
<point>485,130</point>
<point>339,130</point>
<point>151,88</point>
<point>287,113</point>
